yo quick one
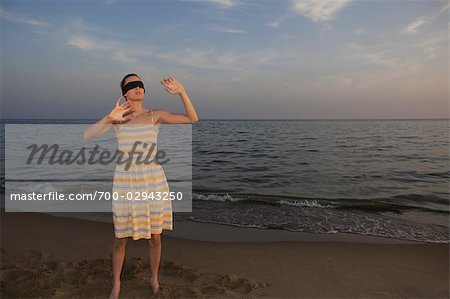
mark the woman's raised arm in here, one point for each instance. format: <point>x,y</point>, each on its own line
<point>167,117</point>
<point>106,123</point>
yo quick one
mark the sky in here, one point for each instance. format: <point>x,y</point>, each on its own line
<point>238,59</point>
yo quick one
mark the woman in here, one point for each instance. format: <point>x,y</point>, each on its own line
<point>143,219</point>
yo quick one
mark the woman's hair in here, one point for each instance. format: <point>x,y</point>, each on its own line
<point>124,78</point>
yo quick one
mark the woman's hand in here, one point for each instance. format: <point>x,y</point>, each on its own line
<point>117,114</point>
<point>172,85</point>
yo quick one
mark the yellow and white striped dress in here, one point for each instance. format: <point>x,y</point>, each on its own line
<point>133,216</point>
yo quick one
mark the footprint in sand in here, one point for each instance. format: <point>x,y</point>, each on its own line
<point>37,275</point>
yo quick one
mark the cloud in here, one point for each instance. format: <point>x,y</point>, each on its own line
<point>381,55</point>
<point>363,76</point>
<point>434,40</point>
<point>444,8</point>
<point>319,10</point>
<point>359,32</point>
<point>430,52</point>
<point>277,22</point>
<point>382,63</point>
<point>220,3</point>
<point>21,18</point>
<point>274,24</point>
<point>431,45</point>
<point>327,26</point>
<point>87,44</point>
<point>414,26</point>
<point>81,25</point>
<point>122,53</point>
<point>377,58</point>
<point>226,30</point>
<point>115,50</point>
<point>400,58</point>
<point>264,57</point>
<point>123,57</point>
<point>213,59</point>
<point>208,59</point>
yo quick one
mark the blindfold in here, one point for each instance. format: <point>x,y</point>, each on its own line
<point>131,85</point>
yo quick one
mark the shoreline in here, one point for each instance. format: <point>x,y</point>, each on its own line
<point>222,233</point>
<point>68,247</point>
<point>188,229</point>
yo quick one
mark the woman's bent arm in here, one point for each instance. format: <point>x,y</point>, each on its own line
<point>167,117</point>
<point>99,128</point>
<point>103,125</point>
<point>190,110</point>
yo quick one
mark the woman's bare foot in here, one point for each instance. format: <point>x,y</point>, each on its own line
<point>115,292</point>
<point>155,285</point>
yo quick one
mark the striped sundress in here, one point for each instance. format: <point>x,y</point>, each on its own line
<point>133,216</point>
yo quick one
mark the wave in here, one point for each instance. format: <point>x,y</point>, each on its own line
<point>396,203</point>
<point>322,216</point>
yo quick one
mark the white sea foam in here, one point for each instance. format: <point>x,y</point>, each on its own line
<point>216,197</point>
<point>304,203</point>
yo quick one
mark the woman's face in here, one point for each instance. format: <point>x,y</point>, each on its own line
<point>135,94</point>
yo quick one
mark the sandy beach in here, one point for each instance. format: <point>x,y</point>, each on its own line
<point>53,257</point>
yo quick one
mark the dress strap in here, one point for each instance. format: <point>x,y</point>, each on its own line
<point>152,115</point>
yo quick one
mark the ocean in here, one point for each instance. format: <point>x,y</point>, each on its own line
<point>387,178</point>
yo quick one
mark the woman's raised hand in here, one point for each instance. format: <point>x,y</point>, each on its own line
<point>117,114</point>
<point>172,85</point>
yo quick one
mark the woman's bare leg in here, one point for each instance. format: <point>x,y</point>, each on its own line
<point>118,256</point>
<point>154,252</point>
